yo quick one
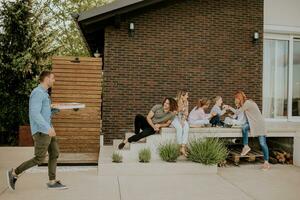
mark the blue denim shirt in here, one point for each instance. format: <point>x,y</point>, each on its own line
<point>40,110</point>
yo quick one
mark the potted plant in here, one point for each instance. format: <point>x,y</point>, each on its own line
<point>25,137</point>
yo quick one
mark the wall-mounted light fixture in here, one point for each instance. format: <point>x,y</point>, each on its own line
<point>97,54</point>
<point>131,29</point>
<point>255,36</point>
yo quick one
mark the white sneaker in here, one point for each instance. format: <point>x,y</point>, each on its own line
<point>245,150</point>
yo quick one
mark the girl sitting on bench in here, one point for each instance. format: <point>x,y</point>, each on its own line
<point>216,120</point>
<point>180,121</point>
<point>198,117</point>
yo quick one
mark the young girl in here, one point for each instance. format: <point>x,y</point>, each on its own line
<point>180,121</point>
<point>216,120</point>
<point>198,117</point>
<point>255,123</point>
<point>161,115</point>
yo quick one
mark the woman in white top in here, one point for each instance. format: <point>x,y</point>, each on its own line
<point>180,120</point>
<point>198,117</point>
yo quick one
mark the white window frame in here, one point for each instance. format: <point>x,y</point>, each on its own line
<point>290,38</point>
<point>290,117</point>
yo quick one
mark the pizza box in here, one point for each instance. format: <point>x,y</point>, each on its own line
<point>65,106</point>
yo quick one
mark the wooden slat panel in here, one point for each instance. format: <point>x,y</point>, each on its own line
<point>78,152</point>
<point>78,100</point>
<point>67,145</point>
<point>68,58</point>
<point>76,96</point>
<point>75,117</point>
<point>70,79</point>
<point>76,71</point>
<point>77,75</point>
<point>77,84</point>
<point>81,64</point>
<point>81,129</point>
<point>78,134</point>
<point>79,137</point>
<point>71,66</point>
<point>81,158</point>
<point>80,112</point>
<point>93,87</point>
<point>81,147</point>
<point>78,121</point>
<point>95,119</point>
<point>70,141</point>
<point>78,131</point>
<point>81,91</point>
<point>81,125</point>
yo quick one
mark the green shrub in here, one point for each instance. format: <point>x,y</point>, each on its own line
<point>169,151</point>
<point>117,157</point>
<point>145,155</point>
<point>26,48</point>
<point>209,151</point>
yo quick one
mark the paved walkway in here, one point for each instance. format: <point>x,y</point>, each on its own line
<point>246,182</point>
<point>233,183</point>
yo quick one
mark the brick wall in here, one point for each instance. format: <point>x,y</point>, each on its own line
<point>202,45</point>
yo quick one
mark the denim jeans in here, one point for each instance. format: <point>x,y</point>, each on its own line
<point>216,120</point>
<point>182,133</point>
<point>262,141</point>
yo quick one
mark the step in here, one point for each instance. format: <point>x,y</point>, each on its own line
<point>154,167</point>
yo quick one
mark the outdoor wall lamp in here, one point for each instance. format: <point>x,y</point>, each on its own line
<point>255,37</point>
<point>97,54</point>
<point>131,29</point>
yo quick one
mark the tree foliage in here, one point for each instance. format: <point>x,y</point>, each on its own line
<point>24,52</point>
<point>68,36</point>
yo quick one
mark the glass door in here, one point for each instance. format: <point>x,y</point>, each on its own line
<point>296,79</point>
<point>275,75</point>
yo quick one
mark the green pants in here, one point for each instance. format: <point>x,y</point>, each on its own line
<point>42,144</point>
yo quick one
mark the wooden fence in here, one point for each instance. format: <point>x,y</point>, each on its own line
<point>78,80</point>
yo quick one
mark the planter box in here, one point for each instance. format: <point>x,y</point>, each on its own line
<point>25,137</point>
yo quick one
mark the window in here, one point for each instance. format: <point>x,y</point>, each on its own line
<point>296,79</point>
<point>281,77</point>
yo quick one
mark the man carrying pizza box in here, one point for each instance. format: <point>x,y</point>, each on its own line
<point>43,133</point>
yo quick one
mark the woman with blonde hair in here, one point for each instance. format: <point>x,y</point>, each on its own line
<point>255,125</point>
<point>216,120</point>
<point>180,120</point>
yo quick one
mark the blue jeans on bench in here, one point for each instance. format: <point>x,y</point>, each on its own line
<point>216,121</point>
<point>262,141</point>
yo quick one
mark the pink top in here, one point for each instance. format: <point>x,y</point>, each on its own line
<point>198,114</point>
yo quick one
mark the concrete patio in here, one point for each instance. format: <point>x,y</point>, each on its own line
<point>246,182</point>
